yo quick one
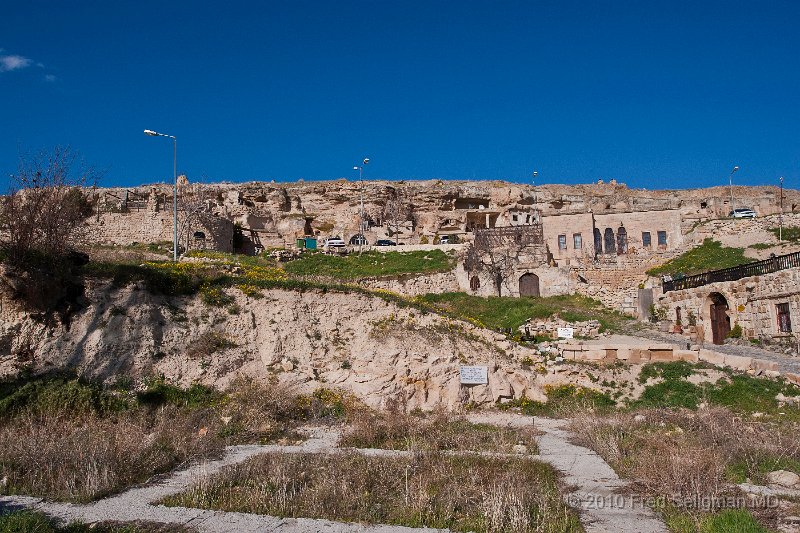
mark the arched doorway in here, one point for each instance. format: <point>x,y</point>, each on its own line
<point>622,241</point>
<point>720,321</point>
<point>609,245</point>
<point>598,242</point>
<point>529,285</point>
<point>474,283</point>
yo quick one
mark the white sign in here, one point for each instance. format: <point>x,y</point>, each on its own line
<point>565,333</point>
<point>474,375</point>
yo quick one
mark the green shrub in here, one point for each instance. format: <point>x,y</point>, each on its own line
<point>735,332</point>
<point>44,394</point>
<point>159,392</point>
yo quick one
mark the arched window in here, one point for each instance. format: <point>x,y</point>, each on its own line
<point>622,241</point>
<point>598,242</point>
<point>474,283</point>
<point>199,235</point>
<point>609,244</point>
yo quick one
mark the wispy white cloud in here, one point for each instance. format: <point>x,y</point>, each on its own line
<point>50,77</point>
<point>13,62</point>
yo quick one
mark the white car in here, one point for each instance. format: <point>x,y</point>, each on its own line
<point>335,242</point>
<point>742,212</point>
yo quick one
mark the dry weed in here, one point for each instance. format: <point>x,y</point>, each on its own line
<point>461,493</point>
<point>396,429</point>
<point>65,457</point>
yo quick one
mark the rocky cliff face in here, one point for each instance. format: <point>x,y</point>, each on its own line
<point>280,211</point>
<point>358,343</point>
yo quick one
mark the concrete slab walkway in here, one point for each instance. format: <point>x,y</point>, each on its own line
<point>597,491</point>
<point>136,503</point>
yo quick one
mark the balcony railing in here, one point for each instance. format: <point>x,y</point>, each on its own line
<point>758,268</point>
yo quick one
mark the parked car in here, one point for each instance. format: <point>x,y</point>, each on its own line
<point>385,242</point>
<point>358,240</point>
<point>742,212</point>
<point>444,239</point>
<point>335,242</point>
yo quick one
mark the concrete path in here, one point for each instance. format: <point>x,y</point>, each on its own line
<point>136,503</point>
<point>593,483</point>
<point>597,491</point>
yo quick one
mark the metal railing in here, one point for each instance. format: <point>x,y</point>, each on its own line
<point>523,235</point>
<point>758,268</point>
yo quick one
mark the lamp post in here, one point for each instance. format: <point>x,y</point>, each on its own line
<point>360,169</point>
<point>780,217</point>
<point>730,182</point>
<point>174,189</point>
<point>533,182</point>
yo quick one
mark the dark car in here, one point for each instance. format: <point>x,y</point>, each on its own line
<point>385,242</point>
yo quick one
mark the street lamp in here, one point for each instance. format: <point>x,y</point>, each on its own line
<point>174,189</point>
<point>533,182</point>
<point>780,217</point>
<point>360,169</point>
<point>730,182</point>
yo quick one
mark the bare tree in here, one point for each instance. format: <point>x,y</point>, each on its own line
<point>45,210</point>
<point>396,211</point>
<point>498,252</point>
<point>194,210</point>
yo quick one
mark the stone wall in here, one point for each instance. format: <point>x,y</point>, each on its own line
<point>417,285</point>
<point>656,352</point>
<point>148,226</point>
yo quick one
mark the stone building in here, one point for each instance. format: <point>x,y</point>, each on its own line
<point>766,306</point>
<point>586,236</point>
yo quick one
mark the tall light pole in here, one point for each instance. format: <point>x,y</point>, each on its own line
<point>533,182</point>
<point>360,169</point>
<point>730,182</point>
<point>174,189</point>
<point>780,217</point>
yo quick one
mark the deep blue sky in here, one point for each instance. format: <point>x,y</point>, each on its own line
<point>655,94</point>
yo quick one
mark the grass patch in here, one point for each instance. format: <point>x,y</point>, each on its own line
<point>462,493</point>
<point>740,392</point>
<point>710,255</point>
<point>35,522</point>
<point>506,312</point>
<point>398,430</point>
<point>563,399</point>
<point>370,264</point>
<point>727,521</point>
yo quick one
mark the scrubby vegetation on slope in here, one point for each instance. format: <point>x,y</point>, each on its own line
<point>370,264</point>
<point>788,233</point>
<point>686,440</point>
<point>67,439</point>
<point>507,312</point>
<point>710,255</point>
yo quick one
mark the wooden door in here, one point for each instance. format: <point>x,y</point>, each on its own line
<point>720,322</point>
<point>529,285</point>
